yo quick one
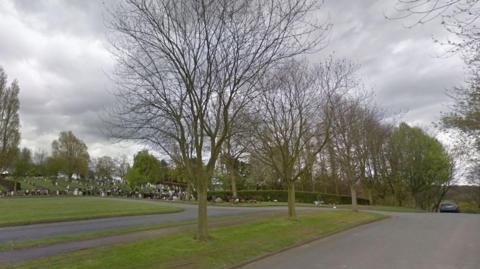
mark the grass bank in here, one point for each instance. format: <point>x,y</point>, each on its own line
<point>229,246</point>
<point>30,210</point>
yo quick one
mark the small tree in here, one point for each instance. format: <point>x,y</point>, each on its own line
<point>350,131</point>
<point>147,168</point>
<point>473,178</point>
<point>421,162</point>
<point>293,119</point>
<point>235,149</point>
<point>23,164</point>
<point>105,168</point>
<point>122,166</point>
<point>9,121</point>
<point>71,154</point>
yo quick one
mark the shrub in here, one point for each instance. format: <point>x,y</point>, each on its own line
<point>9,185</point>
<point>282,196</point>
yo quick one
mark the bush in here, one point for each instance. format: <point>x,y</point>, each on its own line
<point>282,196</point>
<point>9,185</point>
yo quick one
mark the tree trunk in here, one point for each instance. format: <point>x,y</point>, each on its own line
<point>234,184</point>
<point>370,196</point>
<point>202,233</point>
<point>292,214</point>
<point>418,202</point>
<point>353,193</point>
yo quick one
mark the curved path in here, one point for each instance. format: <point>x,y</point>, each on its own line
<point>39,231</point>
<point>405,241</point>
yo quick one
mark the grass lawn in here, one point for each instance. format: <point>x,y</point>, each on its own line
<point>260,204</point>
<point>86,235</point>
<point>117,231</point>
<point>469,208</point>
<point>19,211</point>
<point>256,204</point>
<point>383,208</point>
<point>230,245</point>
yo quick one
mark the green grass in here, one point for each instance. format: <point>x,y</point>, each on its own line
<point>466,207</point>
<point>117,231</point>
<point>257,204</point>
<point>20,211</point>
<point>383,208</point>
<point>87,235</point>
<point>230,245</point>
<point>266,204</point>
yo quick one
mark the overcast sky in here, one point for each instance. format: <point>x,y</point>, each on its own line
<point>58,51</point>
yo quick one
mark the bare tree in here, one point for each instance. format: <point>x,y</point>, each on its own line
<point>459,17</point>
<point>374,158</point>
<point>105,168</point>
<point>293,120</point>
<point>182,64</point>
<point>350,130</point>
<point>9,121</point>
<point>235,149</point>
<point>72,154</point>
<point>122,165</point>
<point>473,178</point>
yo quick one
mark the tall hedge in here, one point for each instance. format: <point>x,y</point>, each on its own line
<point>282,196</point>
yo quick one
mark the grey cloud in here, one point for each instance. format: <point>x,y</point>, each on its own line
<point>403,66</point>
<point>59,53</point>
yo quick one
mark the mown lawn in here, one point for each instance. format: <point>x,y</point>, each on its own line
<point>229,246</point>
<point>384,208</point>
<point>266,204</point>
<point>245,204</point>
<point>19,211</point>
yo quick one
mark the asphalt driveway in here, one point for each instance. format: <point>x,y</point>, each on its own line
<point>405,241</point>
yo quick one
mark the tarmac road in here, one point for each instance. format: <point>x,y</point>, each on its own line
<point>39,231</point>
<point>405,241</point>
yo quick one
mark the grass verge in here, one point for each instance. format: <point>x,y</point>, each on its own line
<point>469,208</point>
<point>251,204</point>
<point>84,236</point>
<point>14,245</point>
<point>22,211</point>
<point>230,245</point>
<point>267,204</point>
<point>384,208</point>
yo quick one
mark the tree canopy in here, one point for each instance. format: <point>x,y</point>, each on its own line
<point>420,161</point>
<point>146,168</point>
<point>70,154</point>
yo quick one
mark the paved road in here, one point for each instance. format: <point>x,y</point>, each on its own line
<point>405,241</point>
<point>38,231</point>
<point>27,254</point>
